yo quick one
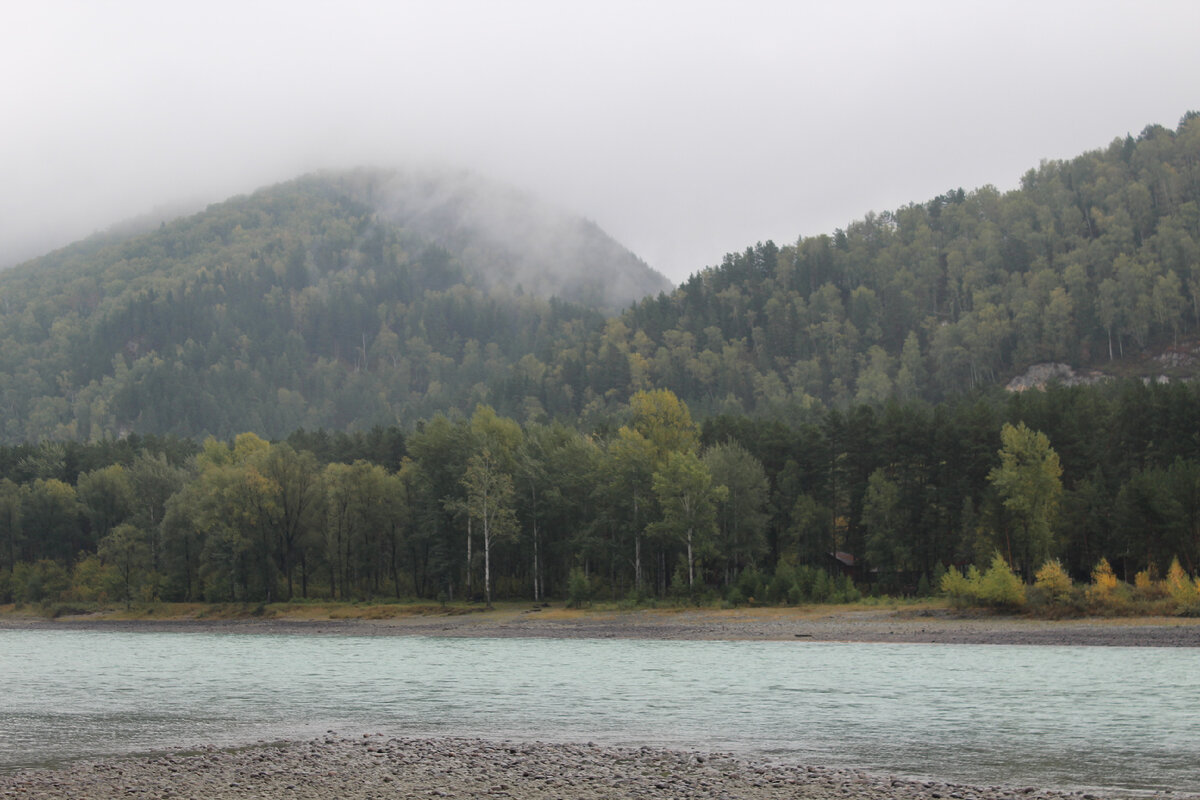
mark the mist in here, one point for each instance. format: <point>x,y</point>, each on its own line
<point>504,237</point>
<point>683,130</point>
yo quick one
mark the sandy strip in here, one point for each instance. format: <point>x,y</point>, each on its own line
<point>375,767</point>
<point>809,624</point>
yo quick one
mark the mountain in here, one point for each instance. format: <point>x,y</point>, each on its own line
<point>1093,262</point>
<point>347,300</point>
<point>335,300</point>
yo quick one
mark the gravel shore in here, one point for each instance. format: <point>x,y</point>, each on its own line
<point>375,767</point>
<point>932,626</point>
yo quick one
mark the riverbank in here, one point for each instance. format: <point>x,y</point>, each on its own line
<point>371,766</point>
<point>903,624</point>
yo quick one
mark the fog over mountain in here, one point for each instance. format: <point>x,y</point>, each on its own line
<point>504,236</point>
<point>683,130</point>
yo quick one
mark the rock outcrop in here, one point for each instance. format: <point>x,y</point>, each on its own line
<point>1039,375</point>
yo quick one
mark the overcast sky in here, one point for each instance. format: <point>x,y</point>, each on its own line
<point>684,129</point>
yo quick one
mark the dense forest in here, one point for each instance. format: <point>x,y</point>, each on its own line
<point>329,303</point>
<point>336,301</point>
<point>359,385</point>
<point>880,500</point>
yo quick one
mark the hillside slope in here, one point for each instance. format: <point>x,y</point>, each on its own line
<point>1090,261</point>
<point>336,300</point>
<point>348,300</point>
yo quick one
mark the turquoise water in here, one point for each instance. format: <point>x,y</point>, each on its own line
<point>1046,716</point>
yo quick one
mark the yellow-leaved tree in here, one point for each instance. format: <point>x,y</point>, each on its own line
<point>1053,581</point>
<point>1184,591</point>
<point>1105,589</point>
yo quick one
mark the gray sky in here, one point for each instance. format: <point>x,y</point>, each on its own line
<point>684,129</point>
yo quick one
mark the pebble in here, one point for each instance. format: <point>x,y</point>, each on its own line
<point>337,767</point>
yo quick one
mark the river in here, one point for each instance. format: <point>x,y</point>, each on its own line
<point>1065,717</point>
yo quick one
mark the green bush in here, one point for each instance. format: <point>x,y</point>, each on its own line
<point>751,585</point>
<point>791,584</point>
<point>781,584</point>
<point>40,581</point>
<point>820,591</point>
<point>94,582</point>
<point>579,588</point>
<point>796,595</point>
<point>1000,586</point>
<point>957,587</point>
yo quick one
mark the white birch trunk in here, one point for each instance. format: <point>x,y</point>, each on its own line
<point>690,570</point>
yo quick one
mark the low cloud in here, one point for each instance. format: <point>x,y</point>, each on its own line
<point>684,130</point>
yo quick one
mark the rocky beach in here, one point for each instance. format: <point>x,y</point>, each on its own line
<point>370,766</point>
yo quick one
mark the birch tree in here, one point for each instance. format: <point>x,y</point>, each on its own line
<point>629,471</point>
<point>490,505</point>
<point>688,500</point>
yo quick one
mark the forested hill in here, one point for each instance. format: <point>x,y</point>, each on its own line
<point>1091,259</point>
<point>335,300</point>
<point>342,301</point>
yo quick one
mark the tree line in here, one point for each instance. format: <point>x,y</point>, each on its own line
<point>646,504</point>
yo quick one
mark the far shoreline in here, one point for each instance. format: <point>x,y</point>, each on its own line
<point>924,624</point>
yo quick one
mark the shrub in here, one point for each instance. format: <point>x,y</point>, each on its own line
<point>796,595</point>
<point>579,588</point>
<point>781,585</point>
<point>958,587</point>
<point>1000,586</point>
<point>1106,592</point>
<point>750,585</point>
<point>1148,586</point>
<point>821,590</point>
<point>1184,592</point>
<point>1104,580</point>
<point>806,577</point>
<point>93,581</point>
<point>44,580</point>
<point>1053,582</point>
<point>844,590</point>
<point>1143,581</point>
